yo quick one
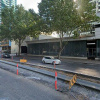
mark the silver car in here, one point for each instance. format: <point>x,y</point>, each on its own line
<point>50,59</point>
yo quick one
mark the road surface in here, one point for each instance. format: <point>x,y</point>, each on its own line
<point>91,69</point>
<point>13,87</point>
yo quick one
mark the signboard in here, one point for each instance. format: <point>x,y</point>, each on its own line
<point>72,81</point>
<point>23,60</point>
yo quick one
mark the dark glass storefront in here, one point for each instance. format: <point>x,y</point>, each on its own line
<point>98,48</point>
<point>73,48</point>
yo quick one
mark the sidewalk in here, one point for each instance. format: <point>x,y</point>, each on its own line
<point>81,60</point>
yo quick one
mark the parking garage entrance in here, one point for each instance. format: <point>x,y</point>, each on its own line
<point>91,49</point>
<point>23,49</point>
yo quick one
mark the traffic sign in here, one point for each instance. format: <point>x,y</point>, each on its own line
<point>72,81</point>
<point>23,60</point>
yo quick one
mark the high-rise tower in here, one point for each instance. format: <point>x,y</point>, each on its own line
<point>11,3</point>
<point>97,6</point>
<point>8,3</point>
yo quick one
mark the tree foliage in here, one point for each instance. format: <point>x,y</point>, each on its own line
<point>87,13</point>
<point>34,27</point>
<point>17,24</point>
<point>66,17</point>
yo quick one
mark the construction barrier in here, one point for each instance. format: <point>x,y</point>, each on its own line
<point>55,76</point>
<point>23,60</point>
<point>72,81</point>
<point>17,69</point>
<point>55,80</point>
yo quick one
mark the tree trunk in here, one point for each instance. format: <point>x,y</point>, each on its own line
<point>61,35</point>
<point>62,45</point>
<point>19,47</point>
<point>59,54</point>
<point>60,50</point>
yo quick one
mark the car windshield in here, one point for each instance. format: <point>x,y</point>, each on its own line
<point>52,57</point>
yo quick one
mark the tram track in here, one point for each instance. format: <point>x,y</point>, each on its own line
<point>68,74</point>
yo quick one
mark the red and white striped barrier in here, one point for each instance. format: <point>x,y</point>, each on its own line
<point>55,76</point>
<point>17,69</point>
<point>55,80</point>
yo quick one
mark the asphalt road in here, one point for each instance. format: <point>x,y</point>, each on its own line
<point>13,87</point>
<point>91,69</point>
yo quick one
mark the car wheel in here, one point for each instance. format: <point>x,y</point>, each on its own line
<point>43,61</point>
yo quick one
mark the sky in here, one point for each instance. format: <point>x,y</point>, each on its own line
<point>29,4</point>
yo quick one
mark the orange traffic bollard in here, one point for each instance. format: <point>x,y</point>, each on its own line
<point>17,69</point>
<point>55,80</point>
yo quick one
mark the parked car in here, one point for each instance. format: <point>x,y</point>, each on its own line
<point>50,59</point>
<point>6,55</point>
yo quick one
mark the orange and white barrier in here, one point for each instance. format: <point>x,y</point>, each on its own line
<point>17,69</point>
<point>55,76</point>
<point>55,80</point>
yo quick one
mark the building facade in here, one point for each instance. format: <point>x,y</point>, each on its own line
<point>87,45</point>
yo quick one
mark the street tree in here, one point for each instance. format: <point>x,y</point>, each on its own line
<point>66,17</point>
<point>16,24</point>
<point>34,27</point>
<point>87,12</point>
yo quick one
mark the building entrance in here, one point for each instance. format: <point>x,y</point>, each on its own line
<point>23,49</point>
<point>91,49</point>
